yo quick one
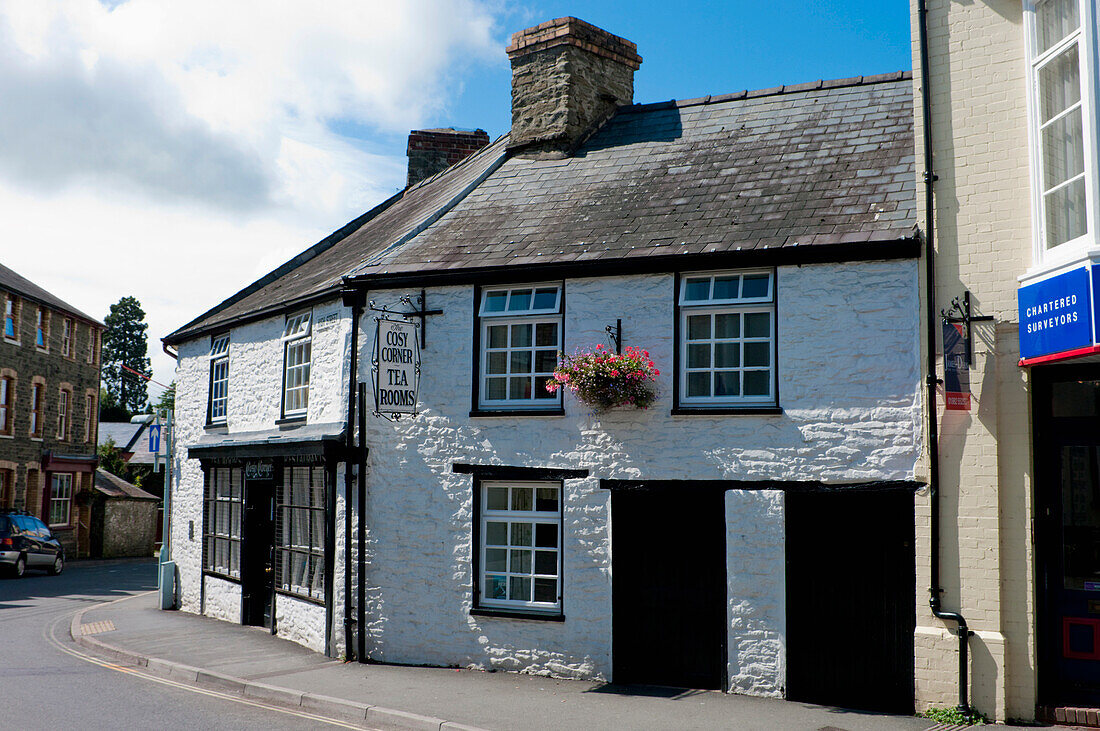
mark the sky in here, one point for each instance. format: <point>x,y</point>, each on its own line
<point>177,150</point>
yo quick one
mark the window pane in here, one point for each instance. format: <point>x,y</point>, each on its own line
<point>495,301</point>
<point>727,355</point>
<point>521,562</point>
<point>498,336</point>
<point>696,290</point>
<point>698,327</point>
<point>1065,213</point>
<point>546,298</point>
<point>540,388</point>
<point>725,288</point>
<point>546,499</point>
<point>546,535</point>
<point>757,383</point>
<point>1054,20</point>
<point>727,383</point>
<point>546,361</point>
<point>496,533</point>
<point>521,534</point>
<point>496,559</point>
<point>495,587</point>
<point>521,361</point>
<point>546,562</point>
<point>699,384</point>
<point>519,388</point>
<point>1063,150</point>
<point>755,285</point>
<point>727,326</point>
<point>758,354</point>
<point>699,356</point>
<point>1059,84</point>
<point>521,498</point>
<point>546,590</point>
<point>521,336</point>
<point>520,299</point>
<point>758,325</point>
<point>498,363</point>
<point>496,388</point>
<point>520,588</point>
<point>497,498</point>
<point>546,333</point>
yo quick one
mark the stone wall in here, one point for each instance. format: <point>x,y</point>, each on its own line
<point>129,527</point>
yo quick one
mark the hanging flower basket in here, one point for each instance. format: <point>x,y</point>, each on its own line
<point>604,380</point>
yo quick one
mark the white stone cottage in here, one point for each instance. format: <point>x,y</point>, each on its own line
<point>750,528</point>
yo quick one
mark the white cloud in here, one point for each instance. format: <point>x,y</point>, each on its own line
<point>176,150</point>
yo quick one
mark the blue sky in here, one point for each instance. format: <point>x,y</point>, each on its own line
<point>177,150</point>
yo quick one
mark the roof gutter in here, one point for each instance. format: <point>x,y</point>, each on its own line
<point>931,381</point>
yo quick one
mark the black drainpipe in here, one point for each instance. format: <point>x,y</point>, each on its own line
<point>354,299</point>
<point>934,589</point>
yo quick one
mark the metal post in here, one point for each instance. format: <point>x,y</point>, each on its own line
<point>167,573</point>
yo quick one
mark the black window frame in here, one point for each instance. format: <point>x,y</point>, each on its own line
<point>210,506</point>
<point>318,540</point>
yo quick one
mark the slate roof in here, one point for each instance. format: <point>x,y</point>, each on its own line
<point>20,285</point>
<point>114,486</point>
<point>123,433</point>
<point>826,163</point>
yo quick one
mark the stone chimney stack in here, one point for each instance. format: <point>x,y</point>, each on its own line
<point>432,151</point>
<point>568,77</point>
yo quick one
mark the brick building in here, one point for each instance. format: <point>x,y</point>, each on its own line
<point>49,394</point>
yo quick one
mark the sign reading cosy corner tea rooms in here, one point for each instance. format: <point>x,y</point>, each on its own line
<point>396,367</point>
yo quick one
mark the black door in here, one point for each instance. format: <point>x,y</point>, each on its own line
<point>668,563</point>
<point>850,599</point>
<point>1067,501</point>
<point>258,552</point>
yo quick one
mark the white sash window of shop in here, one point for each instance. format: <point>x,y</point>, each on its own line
<point>297,354</point>
<point>224,500</point>
<point>300,532</point>
<point>61,498</point>
<point>1061,35</point>
<point>521,545</point>
<point>520,340</point>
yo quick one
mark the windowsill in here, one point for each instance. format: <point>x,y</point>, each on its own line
<point>56,528</point>
<point>517,412</point>
<point>726,411</point>
<point>291,420</point>
<point>301,597</point>
<point>7,436</point>
<point>223,577</point>
<point>217,426</point>
<point>9,341</point>
<point>35,439</point>
<point>517,614</point>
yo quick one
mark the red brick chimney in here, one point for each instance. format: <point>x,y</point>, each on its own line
<point>568,78</point>
<point>432,151</point>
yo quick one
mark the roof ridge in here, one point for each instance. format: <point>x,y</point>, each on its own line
<point>820,84</point>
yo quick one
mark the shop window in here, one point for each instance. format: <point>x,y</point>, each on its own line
<point>300,532</point>
<point>519,547</point>
<point>66,337</point>
<point>61,498</point>
<point>296,362</point>
<point>223,506</point>
<point>11,318</point>
<point>42,329</point>
<point>7,405</point>
<point>727,339</point>
<point>520,330</point>
<point>219,380</point>
<point>1062,97</point>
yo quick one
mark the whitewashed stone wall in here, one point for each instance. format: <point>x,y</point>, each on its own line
<point>849,387</point>
<point>254,400</point>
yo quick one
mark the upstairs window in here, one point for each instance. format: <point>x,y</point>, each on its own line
<point>93,344</point>
<point>521,334</point>
<point>42,329</point>
<point>64,400</point>
<point>11,317</point>
<point>89,415</point>
<point>1061,78</point>
<point>219,379</point>
<point>36,410</point>
<point>66,337</point>
<point>7,401</point>
<point>296,362</point>
<point>727,339</point>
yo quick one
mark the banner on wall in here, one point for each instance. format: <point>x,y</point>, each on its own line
<point>956,376</point>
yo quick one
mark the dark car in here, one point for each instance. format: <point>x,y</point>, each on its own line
<point>27,543</point>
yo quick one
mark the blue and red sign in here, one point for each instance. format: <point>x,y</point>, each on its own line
<point>956,369</point>
<point>1056,314</point>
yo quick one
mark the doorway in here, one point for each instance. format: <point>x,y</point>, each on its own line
<point>668,562</point>
<point>1067,533</point>
<point>258,547</point>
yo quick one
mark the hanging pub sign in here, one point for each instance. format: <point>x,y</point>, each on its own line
<point>395,367</point>
<point>956,376</point>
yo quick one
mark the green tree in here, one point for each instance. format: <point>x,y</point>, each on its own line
<point>167,400</point>
<point>125,344</point>
<point>110,458</point>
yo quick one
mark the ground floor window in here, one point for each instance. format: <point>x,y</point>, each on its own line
<point>61,498</point>
<point>300,531</point>
<point>520,546</point>
<point>223,502</point>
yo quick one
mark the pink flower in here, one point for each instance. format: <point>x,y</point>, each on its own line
<point>614,373</point>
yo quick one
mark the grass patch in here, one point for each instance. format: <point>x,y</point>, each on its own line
<point>955,717</point>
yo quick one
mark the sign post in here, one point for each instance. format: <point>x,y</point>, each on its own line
<point>395,368</point>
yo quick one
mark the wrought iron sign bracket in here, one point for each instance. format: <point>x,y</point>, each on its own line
<point>960,313</point>
<point>419,312</point>
<point>615,335</point>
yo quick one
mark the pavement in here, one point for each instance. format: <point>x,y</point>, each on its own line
<point>251,662</point>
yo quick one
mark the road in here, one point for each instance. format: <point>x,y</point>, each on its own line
<point>49,682</point>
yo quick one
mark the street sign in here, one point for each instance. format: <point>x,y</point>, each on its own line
<point>154,438</point>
